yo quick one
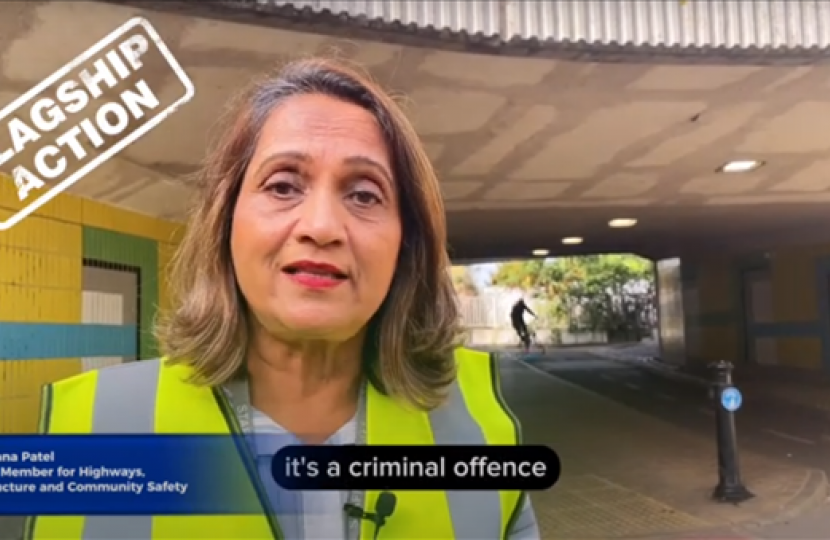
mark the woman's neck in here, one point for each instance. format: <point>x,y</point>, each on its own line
<point>310,389</point>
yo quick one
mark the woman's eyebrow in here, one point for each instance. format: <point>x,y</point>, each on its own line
<point>281,156</point>
<point>372,164</point>
<point>363,161</point>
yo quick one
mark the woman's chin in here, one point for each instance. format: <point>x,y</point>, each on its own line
<point>317,326</point>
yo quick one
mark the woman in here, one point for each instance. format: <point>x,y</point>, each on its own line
<point>312,300</point>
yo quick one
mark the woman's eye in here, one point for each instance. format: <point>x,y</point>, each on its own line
<point>365,198</point>
<point>282,188</point>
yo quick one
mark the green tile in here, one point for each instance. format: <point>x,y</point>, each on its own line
<point>113,247</point>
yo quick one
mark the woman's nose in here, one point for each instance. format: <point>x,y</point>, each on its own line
<point>321,218</point>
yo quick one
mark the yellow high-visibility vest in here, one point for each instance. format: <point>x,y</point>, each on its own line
<point>152,396</point>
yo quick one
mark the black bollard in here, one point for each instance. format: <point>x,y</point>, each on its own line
<point>730,488</point>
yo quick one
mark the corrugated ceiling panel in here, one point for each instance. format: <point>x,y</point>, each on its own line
<point>701,23</point>
<point>714,23</point>
<point>472,16</point>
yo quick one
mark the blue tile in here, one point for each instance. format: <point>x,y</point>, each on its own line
<point>21,341</point>
<point>788,329</point>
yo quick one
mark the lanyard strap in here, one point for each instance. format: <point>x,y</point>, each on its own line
<point>239,395</point>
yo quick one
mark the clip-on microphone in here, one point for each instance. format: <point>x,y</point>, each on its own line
<point>384,508</point>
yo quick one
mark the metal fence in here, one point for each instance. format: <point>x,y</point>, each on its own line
<point>488,310</point>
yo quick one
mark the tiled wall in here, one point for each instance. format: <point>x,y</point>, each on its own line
<point>792,327</point>
<point>41,260</point>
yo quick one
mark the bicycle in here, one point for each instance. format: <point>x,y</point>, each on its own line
<point>529,339</point>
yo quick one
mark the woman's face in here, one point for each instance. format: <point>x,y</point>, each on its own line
<point>316,229</point>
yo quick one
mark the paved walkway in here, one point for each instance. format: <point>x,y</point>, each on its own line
<point>804,389</point>
<point>629,475</point>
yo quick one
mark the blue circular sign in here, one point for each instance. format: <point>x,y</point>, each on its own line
<point>731,399</point>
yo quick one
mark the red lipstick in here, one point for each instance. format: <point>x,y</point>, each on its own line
<point>315,275</point>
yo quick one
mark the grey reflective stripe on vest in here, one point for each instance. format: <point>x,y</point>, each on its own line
<point>475,514</point>
<point>125,402</point>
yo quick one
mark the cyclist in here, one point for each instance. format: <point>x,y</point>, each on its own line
<point>517,318</point>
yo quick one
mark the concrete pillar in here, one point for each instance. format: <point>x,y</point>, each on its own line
<point>670,311</point>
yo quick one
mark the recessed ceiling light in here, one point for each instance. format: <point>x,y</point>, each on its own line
<point>572,240</point>
<point>540,252</point>
<point>621,223</point>
<point>740,166</point>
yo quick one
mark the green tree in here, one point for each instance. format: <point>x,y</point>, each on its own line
<point>603,300</point>
<point>522,275</point>
<point>585,293</point>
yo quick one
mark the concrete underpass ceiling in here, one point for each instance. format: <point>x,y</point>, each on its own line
<point>528,150</point>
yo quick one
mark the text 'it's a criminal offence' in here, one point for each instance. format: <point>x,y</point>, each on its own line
<point>327,467</point>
